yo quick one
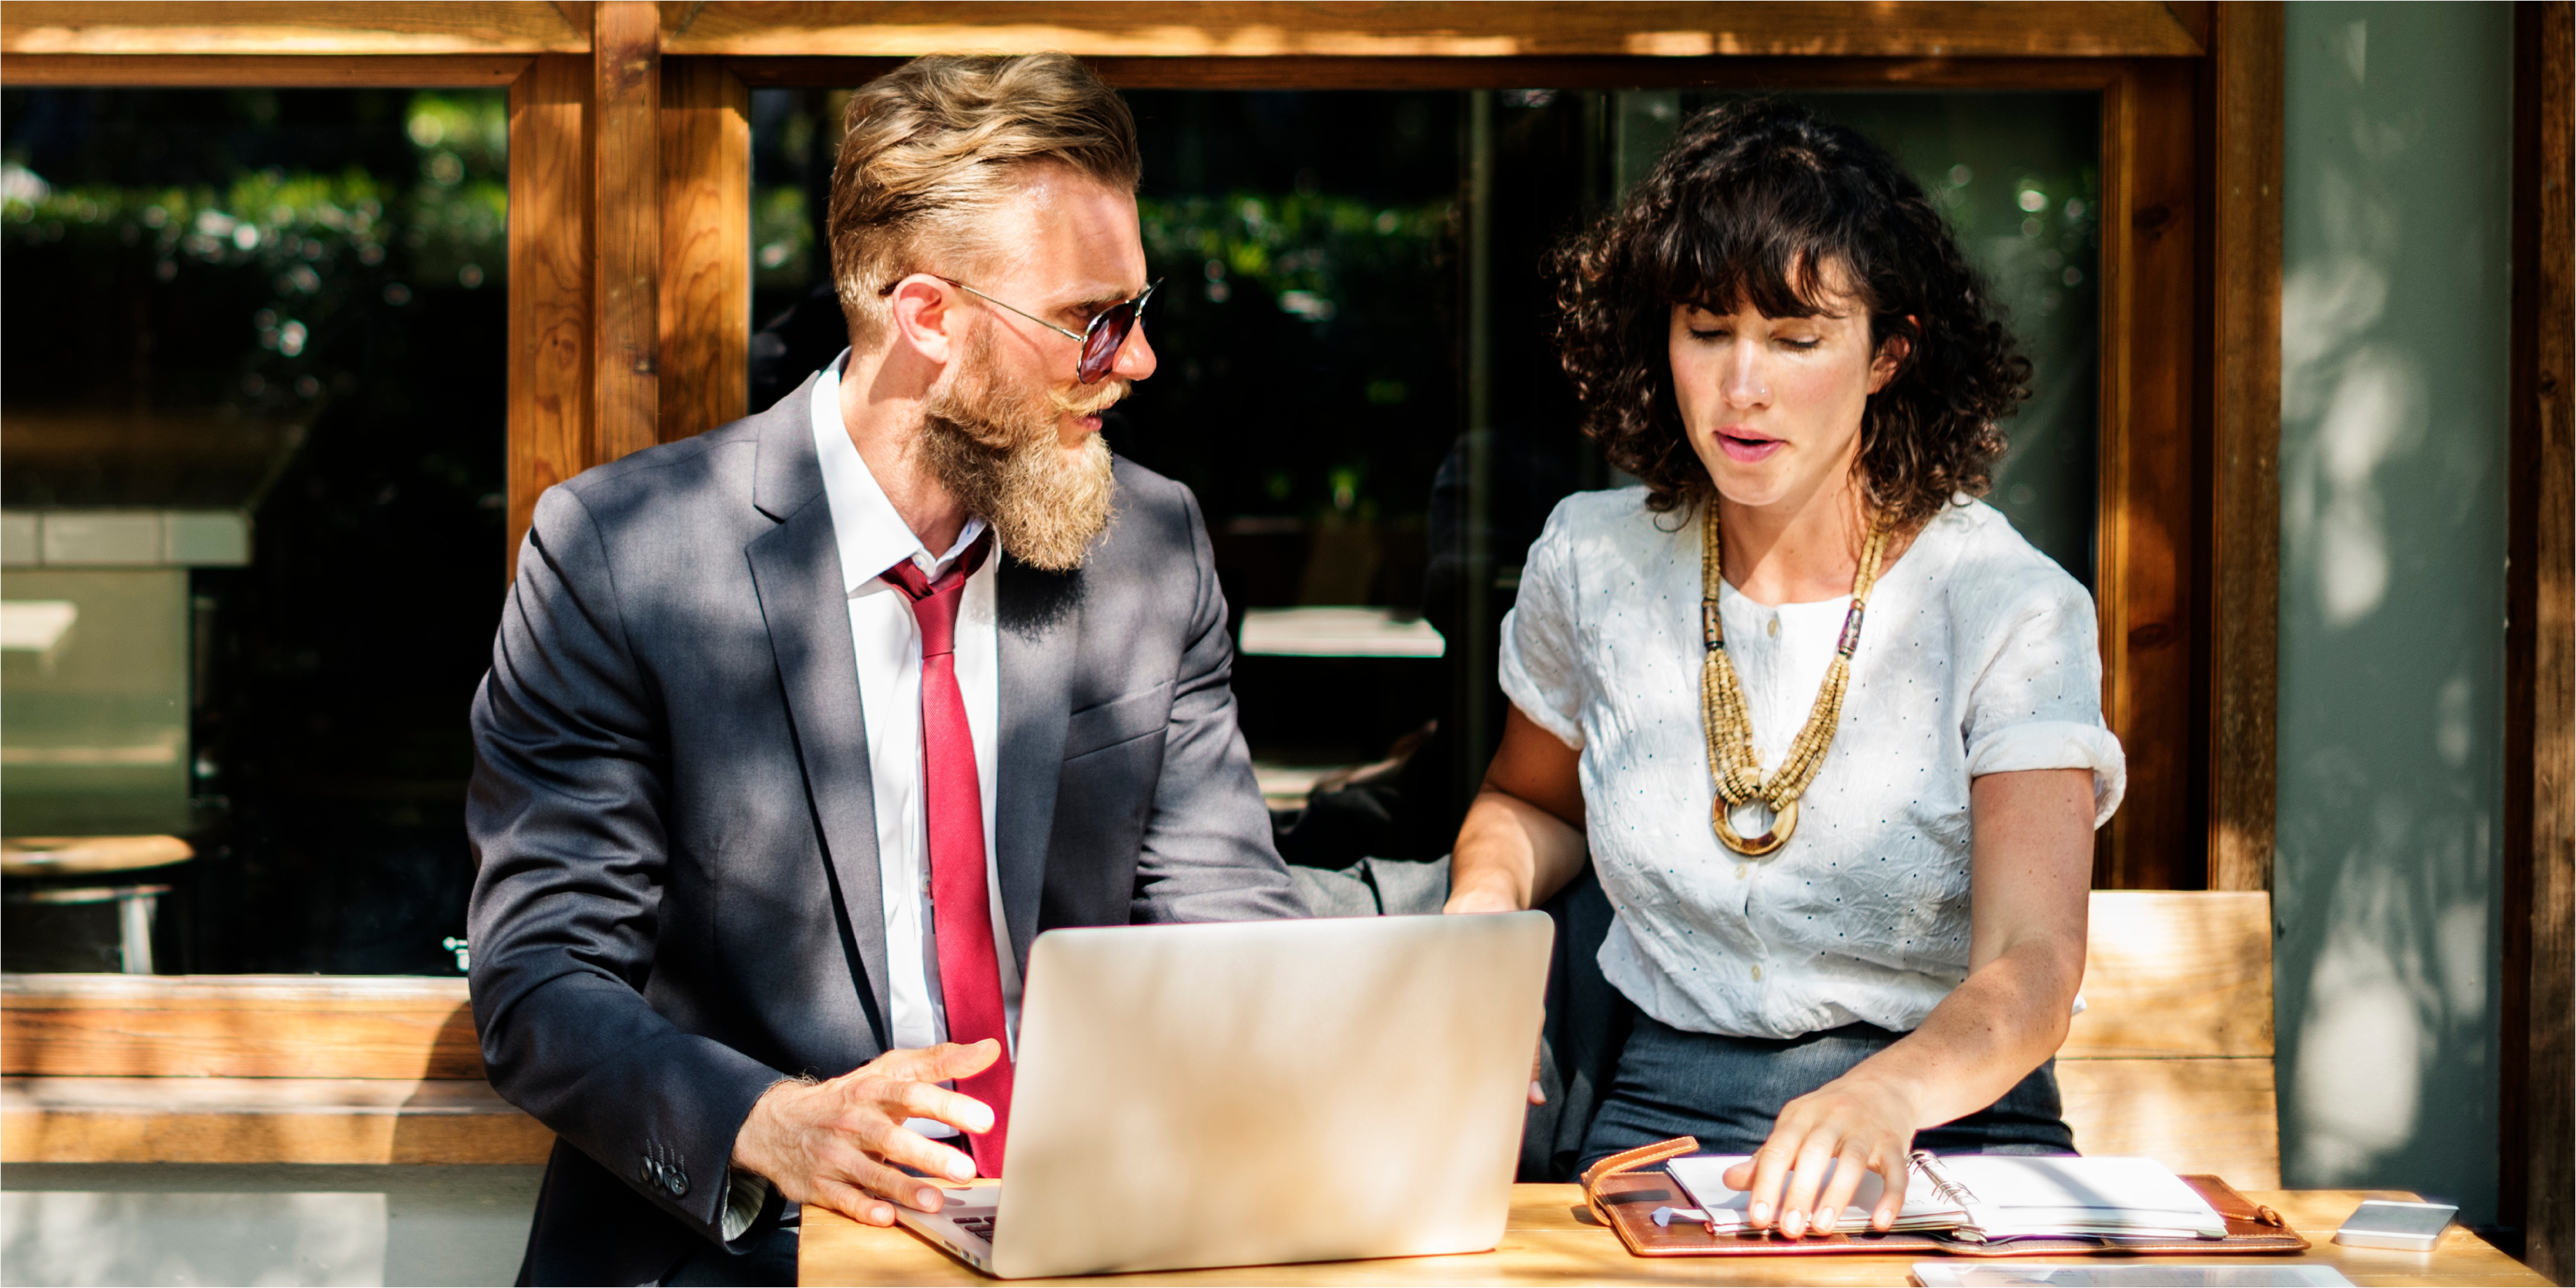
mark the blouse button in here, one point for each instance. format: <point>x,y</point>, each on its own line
<point>1757,974</point>
<point>1774,628</point>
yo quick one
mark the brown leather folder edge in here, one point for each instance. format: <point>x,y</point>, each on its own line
<point>1625,1198</point>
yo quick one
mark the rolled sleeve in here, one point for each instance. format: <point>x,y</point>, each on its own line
<point>1537,663</point>
<point>2057,744</point>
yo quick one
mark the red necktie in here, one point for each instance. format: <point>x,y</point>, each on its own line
<point>961,907</point>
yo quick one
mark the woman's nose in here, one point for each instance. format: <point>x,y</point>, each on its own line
<point>1743,383</point>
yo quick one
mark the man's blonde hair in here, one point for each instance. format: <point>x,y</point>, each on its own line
<point>931,148</point>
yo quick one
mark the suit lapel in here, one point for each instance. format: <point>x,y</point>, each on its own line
<point>796,571</point>
<point>1040,617</point>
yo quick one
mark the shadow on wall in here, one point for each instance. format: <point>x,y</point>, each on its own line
<point>2394,325</point>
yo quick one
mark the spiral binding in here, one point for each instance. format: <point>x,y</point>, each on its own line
<point>1959,1196</point>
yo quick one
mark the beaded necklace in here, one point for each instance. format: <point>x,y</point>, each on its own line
<point>1730,731</point>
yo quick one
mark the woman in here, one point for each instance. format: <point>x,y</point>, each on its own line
<point>1850,866</point>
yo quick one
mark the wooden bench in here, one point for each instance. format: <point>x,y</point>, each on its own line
<point>2172,1059</point>
<point>249,1069</point>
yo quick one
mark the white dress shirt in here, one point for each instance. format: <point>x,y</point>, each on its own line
<point>873,538</point>
<point>1977,656</point>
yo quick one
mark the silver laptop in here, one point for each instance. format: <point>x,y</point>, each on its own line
<point>1254,1093</point>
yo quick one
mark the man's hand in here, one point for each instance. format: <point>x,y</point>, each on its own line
<point>842,1144</point>
<point>1856,1124</point>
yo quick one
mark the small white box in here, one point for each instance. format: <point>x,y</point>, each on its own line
<point>2406,1227</point>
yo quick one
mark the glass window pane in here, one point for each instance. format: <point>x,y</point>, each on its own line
<point>254,374</point>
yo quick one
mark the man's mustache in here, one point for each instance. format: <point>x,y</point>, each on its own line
<point>1090,399</point>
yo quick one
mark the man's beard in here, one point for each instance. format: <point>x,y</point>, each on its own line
<point>999,454</point>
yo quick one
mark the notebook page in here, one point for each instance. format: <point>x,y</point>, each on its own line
<point>1702,1177</point>
<point>2024,1193</point>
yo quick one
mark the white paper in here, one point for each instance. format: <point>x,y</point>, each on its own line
<point>2012,1194</point>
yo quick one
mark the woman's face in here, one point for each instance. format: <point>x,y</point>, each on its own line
<point>1773,405</point>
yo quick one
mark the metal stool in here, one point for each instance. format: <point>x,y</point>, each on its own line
<point>77,856</point>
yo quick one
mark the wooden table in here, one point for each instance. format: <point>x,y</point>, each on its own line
<point>1545,1243</point>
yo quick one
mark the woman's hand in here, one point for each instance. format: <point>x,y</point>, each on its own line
<point>1857,1124</point>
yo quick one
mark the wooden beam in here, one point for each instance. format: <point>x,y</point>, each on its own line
<point>275,71</point>
<point>550,378</point>
<point>626,187</point>
<point>2538,1101</point>
<point>335,28</point>
<point>1504,73</point>
<point>706,247</point>
<point>1247,29</point>
<point>2143,579</point>
<point>2245,363</point>
<point>263,1120</point>
<point>237,1026</point>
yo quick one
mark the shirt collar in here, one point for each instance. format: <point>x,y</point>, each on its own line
<point>872,537</point>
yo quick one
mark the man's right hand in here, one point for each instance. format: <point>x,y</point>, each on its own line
<point>842,1144</point>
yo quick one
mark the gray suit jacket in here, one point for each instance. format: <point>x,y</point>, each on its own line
<point>678,904</point>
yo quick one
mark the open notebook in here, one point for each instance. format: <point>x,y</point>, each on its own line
<point>1985,1198</point>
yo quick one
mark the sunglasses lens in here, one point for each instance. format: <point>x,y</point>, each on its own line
<point>1100,347</point>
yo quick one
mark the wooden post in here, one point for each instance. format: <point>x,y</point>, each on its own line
<point>626,189</point>
<point>2245,380</point>
<point>550,379</point>
<point>706,247</point>
<point>2537,1118</point>
<point>2149,420</point>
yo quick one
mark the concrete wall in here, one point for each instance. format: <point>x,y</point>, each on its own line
<point>77,1224</point>
<point>2394,326</point>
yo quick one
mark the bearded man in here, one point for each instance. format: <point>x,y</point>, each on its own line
<point>797,732</point>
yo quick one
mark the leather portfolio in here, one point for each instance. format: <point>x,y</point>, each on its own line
<point>1623,1195</point>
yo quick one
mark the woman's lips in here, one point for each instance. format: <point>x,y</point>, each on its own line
<point>1746,448</point>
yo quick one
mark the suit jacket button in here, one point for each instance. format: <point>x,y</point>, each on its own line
<point>676,1181</point>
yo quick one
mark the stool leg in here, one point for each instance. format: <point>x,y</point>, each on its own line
<point>134,930</point>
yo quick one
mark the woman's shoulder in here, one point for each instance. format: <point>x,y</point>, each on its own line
<point>1612,523</point>
<point>1988,569</point>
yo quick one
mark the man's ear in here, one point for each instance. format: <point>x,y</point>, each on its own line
<point>1892,354</point>
<point>924,320</point>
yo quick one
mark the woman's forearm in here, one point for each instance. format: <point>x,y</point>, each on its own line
<point>1510,855</point>
<point>2009,1015</point>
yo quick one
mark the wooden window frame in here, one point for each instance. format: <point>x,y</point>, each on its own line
<point>630,316</point>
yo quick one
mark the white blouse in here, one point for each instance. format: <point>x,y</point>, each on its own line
<point>1977,656</point>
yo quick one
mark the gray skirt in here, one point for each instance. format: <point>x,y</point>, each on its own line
<point>1727,1091</point>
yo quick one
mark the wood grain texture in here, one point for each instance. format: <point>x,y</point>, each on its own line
<point>2145,537</point>
<point>2174,974</point>
<point>2245,362</point>
<point>706,247</point>
<point>278,71</point>
<point>626,187</point>
<point>335,28</point>
<point>1236,29</point>
<point>550,379</point>
<point>236,1027</point>
<point>2537,1101</point>
<point>1749,72</point>
<point>262,1120</point>
<point>1546,1241</point>
<point>2216,1116</point>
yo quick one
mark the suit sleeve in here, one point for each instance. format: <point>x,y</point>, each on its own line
<point>1208,854</point>
<point>565,813</point>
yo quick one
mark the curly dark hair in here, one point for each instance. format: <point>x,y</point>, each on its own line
<point>1760,202</point>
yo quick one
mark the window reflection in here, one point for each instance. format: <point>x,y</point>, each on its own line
<point>251,430</point>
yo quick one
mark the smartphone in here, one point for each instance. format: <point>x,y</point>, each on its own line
<point>2408,1227</point>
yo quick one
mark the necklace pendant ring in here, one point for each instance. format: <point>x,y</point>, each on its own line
<point>1783,823</point>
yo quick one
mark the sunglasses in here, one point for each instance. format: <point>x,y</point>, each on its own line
<point>1100,341</point>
